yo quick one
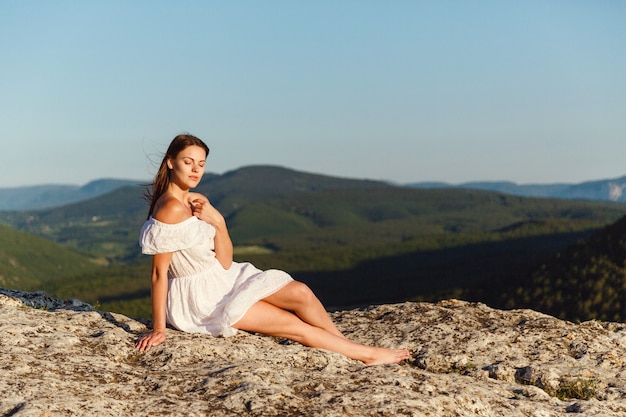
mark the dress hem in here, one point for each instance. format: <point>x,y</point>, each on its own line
<point>275,290</point>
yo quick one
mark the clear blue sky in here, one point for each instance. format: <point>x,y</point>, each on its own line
<point>528,91</point>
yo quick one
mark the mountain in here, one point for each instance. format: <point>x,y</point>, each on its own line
<point>237,188</point>
<point>355,242</point>
<point>281,208</point>
<point>605,190</point>
<point>48,196</point>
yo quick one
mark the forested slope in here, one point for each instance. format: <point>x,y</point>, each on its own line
<point>585,281</point>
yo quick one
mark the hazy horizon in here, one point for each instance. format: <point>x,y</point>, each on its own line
<point>148,180</point>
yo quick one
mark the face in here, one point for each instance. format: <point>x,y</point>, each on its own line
<point>187,168</point>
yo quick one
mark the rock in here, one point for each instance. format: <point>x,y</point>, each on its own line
<point>63,358</point>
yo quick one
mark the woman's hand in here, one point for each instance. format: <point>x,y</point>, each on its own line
<point>202,209</point>
<point>148,340</point>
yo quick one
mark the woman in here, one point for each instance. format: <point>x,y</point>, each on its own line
<point>196,286</point>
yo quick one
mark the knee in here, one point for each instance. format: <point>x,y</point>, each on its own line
<point>303,293</point>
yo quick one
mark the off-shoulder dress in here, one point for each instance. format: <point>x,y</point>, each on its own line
<point>202,296</point>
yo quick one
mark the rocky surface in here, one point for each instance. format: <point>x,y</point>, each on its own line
<point>63,358</point>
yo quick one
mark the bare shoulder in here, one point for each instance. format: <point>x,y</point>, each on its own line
<point>170,210</point>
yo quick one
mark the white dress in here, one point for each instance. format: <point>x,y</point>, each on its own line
<point>202,296</point>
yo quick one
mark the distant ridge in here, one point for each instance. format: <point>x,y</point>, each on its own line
<point>603,190</point>
<point>49,196</point>
<point>283,181</point>
<point>55,195</point>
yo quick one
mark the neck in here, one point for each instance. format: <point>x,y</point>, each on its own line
<point>177,192</point>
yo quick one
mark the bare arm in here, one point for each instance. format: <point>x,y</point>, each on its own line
<point>203,210</point>
<point>160,265</point>
<point>223,244</point>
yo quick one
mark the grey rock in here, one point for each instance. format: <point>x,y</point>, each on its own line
<point>63,358</point>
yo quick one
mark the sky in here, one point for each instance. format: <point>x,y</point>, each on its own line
<point>404,91</point>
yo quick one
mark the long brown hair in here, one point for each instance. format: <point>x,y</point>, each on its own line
<point>162,178</point>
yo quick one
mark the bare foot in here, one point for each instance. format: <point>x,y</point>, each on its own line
<point>383,356</point>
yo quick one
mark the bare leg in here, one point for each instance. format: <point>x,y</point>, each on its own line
<point>269,319</point>
<point>299,298</point>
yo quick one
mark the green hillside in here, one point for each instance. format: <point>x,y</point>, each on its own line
<point>306,217</point>
<point>105,227</point>
<point>29,262</point>
<point>584,281</point>
<point>354,242</point>
<point>395,214</point>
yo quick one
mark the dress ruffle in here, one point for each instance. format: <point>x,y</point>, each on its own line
<point>158,237</point>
